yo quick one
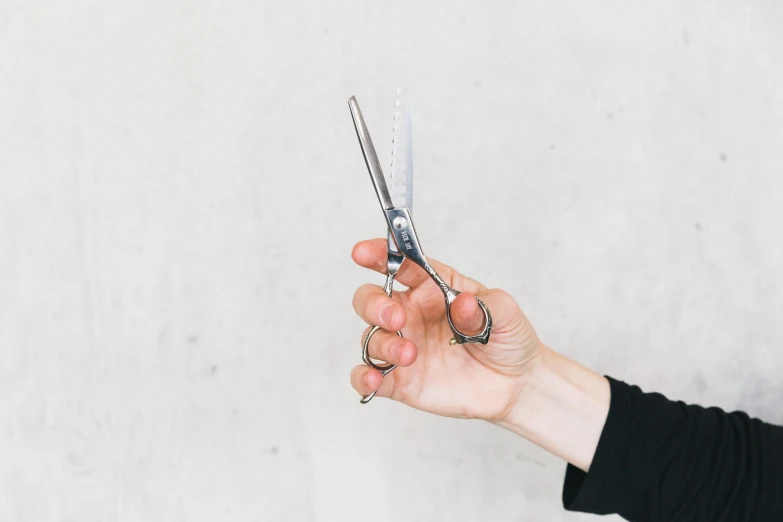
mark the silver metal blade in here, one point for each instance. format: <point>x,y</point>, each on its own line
<point>370,156</point>
<point>401,179</point>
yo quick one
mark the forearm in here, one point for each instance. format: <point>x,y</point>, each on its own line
<point>562,408</point>
<point>649,458</point>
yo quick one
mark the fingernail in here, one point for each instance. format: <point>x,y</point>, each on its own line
<point>387,314</point>
<point>396,350</point>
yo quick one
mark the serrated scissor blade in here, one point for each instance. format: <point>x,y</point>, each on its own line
<point>401,179</point>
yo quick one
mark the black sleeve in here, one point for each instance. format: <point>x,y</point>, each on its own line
<point>661,460</point>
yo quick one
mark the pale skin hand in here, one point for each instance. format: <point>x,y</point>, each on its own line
<point>470,380</point>
<point>513,381</point>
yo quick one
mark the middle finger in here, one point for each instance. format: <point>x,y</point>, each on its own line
<point>376,308</point>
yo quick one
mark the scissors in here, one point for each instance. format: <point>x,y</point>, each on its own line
<point>402,241</point>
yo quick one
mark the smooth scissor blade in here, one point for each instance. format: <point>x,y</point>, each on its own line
<point>401,179</point>
<point>370,156</point>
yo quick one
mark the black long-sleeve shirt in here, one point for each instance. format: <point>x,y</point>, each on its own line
<point>659,461</point>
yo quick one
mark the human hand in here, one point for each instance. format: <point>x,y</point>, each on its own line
<point>467,381</point>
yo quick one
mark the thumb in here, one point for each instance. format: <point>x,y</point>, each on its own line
<point>466,314</point>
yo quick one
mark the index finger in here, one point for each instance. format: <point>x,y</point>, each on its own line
<point>372,254</point>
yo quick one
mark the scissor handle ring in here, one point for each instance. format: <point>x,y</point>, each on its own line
<point>459,337</point>
<point>369,362</point>
<point>366,353</point>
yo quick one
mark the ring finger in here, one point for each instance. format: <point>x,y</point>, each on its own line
<point>389,347</point>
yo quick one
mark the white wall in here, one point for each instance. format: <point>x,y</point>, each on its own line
<point>181,186</point>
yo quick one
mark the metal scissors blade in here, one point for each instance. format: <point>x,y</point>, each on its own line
<point>401,178</point>
<point>370,156</point>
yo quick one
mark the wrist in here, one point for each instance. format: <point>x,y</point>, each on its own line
<point>562,408</point>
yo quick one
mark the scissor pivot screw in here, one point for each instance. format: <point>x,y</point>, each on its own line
<point>399,223</point>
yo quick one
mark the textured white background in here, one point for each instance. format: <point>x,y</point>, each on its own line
<point>181,186</point>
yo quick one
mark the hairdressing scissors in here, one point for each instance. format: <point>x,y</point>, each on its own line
<point>402,241</point>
